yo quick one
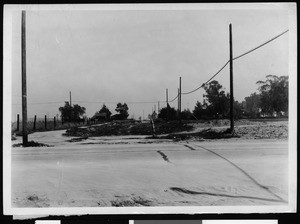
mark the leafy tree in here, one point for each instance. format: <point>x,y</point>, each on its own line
<point>274,94</point>
<point>167,112</point>
<point>122,109</point>
<point>218,101</point>
<point>237,109</point>
<point>252,104</point>
<point>104,109</point>
<point>71,113</point>
<point>103,114</point>
<point>186,114</point>
<point>200,110</point>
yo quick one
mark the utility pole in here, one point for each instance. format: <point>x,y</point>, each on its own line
<point>24,92</point>
<point>179,94</point>
<point>46,122</point>
<point>158,107</point>
<point>18,122</point>
<point>179,100</point>
<point>231,80</point>
<point>70,98</point>
<point>34,123</point>
<point>167,100</point>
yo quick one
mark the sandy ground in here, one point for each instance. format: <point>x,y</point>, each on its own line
<point>134,171</point>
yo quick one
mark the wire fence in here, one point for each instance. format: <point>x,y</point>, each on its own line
<point>48,124</point>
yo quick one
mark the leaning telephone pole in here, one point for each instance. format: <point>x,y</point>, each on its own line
<point>231,80</point>
<point>24,92</point>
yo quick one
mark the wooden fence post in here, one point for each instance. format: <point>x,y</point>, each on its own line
<point>18,122</point>
<point>34,123</point>
<point>153,127</point>
<point>54,122</point>
<point>45,121</point>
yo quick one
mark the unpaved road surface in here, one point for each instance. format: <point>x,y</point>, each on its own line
<point>90,173</point>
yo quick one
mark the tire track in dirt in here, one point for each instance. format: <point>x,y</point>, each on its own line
<point>191,148</point>
<point>164,156</point>
<point>186,191</point>
<point>240,169</point>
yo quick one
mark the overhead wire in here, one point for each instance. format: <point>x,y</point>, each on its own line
<point>103,102</point>
<point>93,102</point>
<point>185,93</point>
<point>260,45</point>
<point>253,49</point>
<point>207,80</point>
<point>173,99</point>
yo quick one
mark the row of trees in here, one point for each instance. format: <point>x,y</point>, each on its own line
<point>272,100</point>
<point>74,113</point>
<point>105,114</point>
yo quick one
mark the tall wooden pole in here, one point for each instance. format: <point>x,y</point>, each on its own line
<point>46,122</point>
<point>167,100</point>
<point>24,92</point>
<point>34,123</point>
<point>18,122</point>
<point>70,98</point>
<point>167,97</point>
<point>231,79</point>
<point>179,94</point>
<point>178,101</point>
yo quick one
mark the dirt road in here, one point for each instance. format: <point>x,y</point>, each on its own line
<point>136,173</point>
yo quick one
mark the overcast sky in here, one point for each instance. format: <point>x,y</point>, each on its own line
<point>131,56</point>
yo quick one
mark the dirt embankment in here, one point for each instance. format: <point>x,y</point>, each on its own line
<point>119,128</point>
<point>216,129</point>
<point>248,129</point>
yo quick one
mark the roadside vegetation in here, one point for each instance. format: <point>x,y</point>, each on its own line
<point>254,117</point>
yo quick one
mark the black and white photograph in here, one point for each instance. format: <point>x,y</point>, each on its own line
<point>150,108</point>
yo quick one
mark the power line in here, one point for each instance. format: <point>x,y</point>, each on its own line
<point>207,80</point>
<point>260,45</point>
<point>134,102</point>
<point>151,102</point>
<point>253,49</point>
<point>39,103</point>
<point>94,102</point>
<point>173,99</point>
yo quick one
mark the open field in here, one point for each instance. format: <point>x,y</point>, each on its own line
<point>139,171</point>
